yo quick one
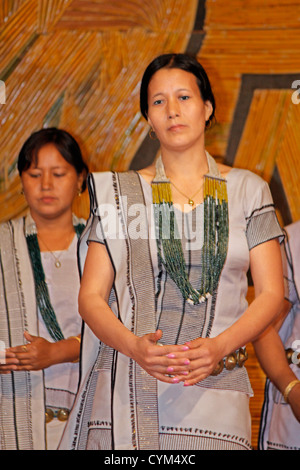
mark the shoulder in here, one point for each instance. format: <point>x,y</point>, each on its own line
<point>14,223</point>
<point>246,180</point>
<point>148,173</point>
<point>11,229</point>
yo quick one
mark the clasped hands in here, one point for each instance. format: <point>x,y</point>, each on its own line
<point>188,363</point>
<point>33,356</point>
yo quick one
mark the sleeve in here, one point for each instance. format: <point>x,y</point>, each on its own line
<point>96,232</point>
<point>95,227</point>
<point>261,221</point>
<point>290,288</point>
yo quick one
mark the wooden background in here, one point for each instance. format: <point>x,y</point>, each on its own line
<point>77,64</point>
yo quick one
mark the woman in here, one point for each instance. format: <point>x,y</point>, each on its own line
<point>280,421</point>
<point>40,324</point>
<point>164,285</point>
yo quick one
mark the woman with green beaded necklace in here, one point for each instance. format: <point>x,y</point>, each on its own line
<point>170,310</point>
<point>41,327</point>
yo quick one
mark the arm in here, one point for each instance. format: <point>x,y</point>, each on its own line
<point>40,354</point>
<point>266,269</point>
<point>96,284</point>
<point>271,355</point>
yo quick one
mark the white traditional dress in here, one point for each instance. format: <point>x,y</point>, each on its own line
<point>120,406</point>
<point>24,396</point>
<point>279,428</point>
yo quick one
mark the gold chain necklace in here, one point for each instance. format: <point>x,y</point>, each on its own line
<point>191,201</point>
<point>57,262</point>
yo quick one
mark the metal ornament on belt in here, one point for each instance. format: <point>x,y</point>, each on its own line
<point>290,355</point>
<point>231,361</point>
<point>61,414</point>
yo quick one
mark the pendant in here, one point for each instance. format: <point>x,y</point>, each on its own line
<point>57,264</point>
<point>191,202</point>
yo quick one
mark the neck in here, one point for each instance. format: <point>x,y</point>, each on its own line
<point>61,224</point>
<point>188,164</point>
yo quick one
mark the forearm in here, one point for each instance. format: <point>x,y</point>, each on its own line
<point>96,313</point>
<point>258,316</point>
<point>67,350</point>
<point>270,352</point>
<point>271,355</point>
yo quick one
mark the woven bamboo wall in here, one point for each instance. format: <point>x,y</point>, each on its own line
<point>263,39</point>
<point>77,64</point>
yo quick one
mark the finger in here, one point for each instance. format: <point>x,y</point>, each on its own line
<point>9,354</point>
<point>10,361</point>
<point>19,349</point>
<point>167,378</point>
<point>27,367</point>
<point>25,358</point>
<point>29,337</point>
<point>176,352</point>
<point>197,376</point>
<point>8,368</point>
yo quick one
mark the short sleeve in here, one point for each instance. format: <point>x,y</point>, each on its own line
<point>261,220</point>
<point>290,288</point>
<point>96,232</point>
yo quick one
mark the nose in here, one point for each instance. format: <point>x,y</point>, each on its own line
<point>173,109</point>
<point>46,181</point>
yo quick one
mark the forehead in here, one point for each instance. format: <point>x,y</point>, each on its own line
<point>48,155</point>
<point>169,79</point>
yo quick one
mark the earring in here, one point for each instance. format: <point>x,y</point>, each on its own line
<point>208,124</point>
<point>79,192</point>
<point>152,134</point>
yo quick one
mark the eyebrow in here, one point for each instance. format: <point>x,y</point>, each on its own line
<point>178,90</point>
<point>52,167</point>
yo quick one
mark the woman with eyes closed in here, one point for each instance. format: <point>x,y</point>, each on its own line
<point>41,327</point>
<point>163,292</point>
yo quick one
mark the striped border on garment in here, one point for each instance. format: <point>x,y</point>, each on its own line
<point>140,280</point>
<point>16,388</point>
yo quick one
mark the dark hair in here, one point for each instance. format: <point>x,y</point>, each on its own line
<point>64,143</point>
<point>177,61</point>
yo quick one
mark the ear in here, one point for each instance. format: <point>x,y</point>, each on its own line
<point>208,109</point>
<point>80,180</point>
<point>149,122</point>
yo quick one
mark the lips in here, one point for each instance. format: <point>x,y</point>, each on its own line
<point>47,199</point>
<point>176,127</point>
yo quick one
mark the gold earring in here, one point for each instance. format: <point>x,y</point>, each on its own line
<point>79,192</point>
<point>152,134</point>
<point>208,124</point>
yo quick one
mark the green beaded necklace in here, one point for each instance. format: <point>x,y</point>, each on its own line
<point>215,227</point>
<point>41,289</point>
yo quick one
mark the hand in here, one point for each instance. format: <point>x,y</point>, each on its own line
<point>204,355</point>
<point>11,363</point>
<point>36,355</point>
<point>167,363</point>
